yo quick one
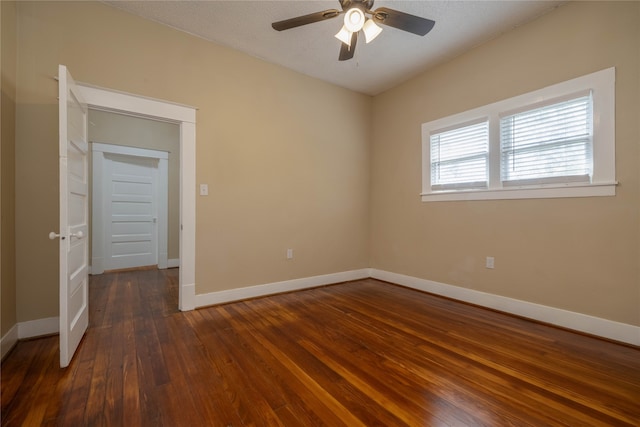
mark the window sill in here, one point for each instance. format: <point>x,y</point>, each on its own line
<point>546,192</point>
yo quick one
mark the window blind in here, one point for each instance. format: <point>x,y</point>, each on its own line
<point>459,157</point>
<point>549,144</point>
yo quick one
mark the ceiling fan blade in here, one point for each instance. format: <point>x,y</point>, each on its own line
<point>347,52</point>
<point>403,21</point>
<point>305,19</point>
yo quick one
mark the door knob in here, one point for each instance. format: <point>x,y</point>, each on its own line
<point>53,236</point>
<point>78,235</point>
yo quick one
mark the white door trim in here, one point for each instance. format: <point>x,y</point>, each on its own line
<point>98,233</point>
<point>109,100</point>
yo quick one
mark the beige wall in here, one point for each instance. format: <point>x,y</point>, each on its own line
<point>286,156</point>
<point>576,254</point>
<point>7,167</point>
<point>118,129</point>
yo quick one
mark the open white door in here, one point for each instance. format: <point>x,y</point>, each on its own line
<point>74,310</point>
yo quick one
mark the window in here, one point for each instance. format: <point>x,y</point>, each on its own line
<point>547,144</point>
<point>555,142</point>
<point>459,157</point>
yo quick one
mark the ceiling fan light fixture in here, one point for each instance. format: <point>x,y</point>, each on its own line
<point>354,19</point>
<point>371,30</point>
<point>344,35</point>
<point>359,15</point>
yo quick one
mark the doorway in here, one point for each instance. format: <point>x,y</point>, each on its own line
<point>116,137</point>
<point>185,117</point>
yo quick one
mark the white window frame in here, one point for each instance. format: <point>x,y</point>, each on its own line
<point>602,183</point>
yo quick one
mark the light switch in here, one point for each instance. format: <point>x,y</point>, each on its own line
<point>490,262</point>
<point>204,189</point>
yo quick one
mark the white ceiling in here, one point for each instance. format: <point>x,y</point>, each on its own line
<point>390,59</point>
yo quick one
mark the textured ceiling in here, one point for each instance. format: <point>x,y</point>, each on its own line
<point>390,59</point>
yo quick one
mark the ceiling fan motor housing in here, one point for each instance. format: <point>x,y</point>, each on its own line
<point>364,5</point>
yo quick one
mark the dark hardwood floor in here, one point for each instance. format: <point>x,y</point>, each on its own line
<point>363,353</point>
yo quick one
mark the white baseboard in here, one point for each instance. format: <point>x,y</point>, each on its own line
<point>203,300</point>
<point>577,321</point>
<point>8,341</point>
<point>568,319</point>
<point>38,327</point>
<point>171,263</point>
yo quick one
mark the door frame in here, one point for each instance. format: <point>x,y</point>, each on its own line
<point>99,243</point>
<point>185,116</point>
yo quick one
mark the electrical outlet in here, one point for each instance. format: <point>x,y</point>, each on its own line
<point>490,262</point>
<point>289,253</point>
<point>204,190</point>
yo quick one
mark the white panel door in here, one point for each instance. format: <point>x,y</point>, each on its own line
<point>131,195</point>
<point>74,210</point>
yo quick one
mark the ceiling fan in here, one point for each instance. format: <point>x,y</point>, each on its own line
<point>355,19</point>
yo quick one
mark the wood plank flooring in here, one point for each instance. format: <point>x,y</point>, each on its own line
<point>362,353</point>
